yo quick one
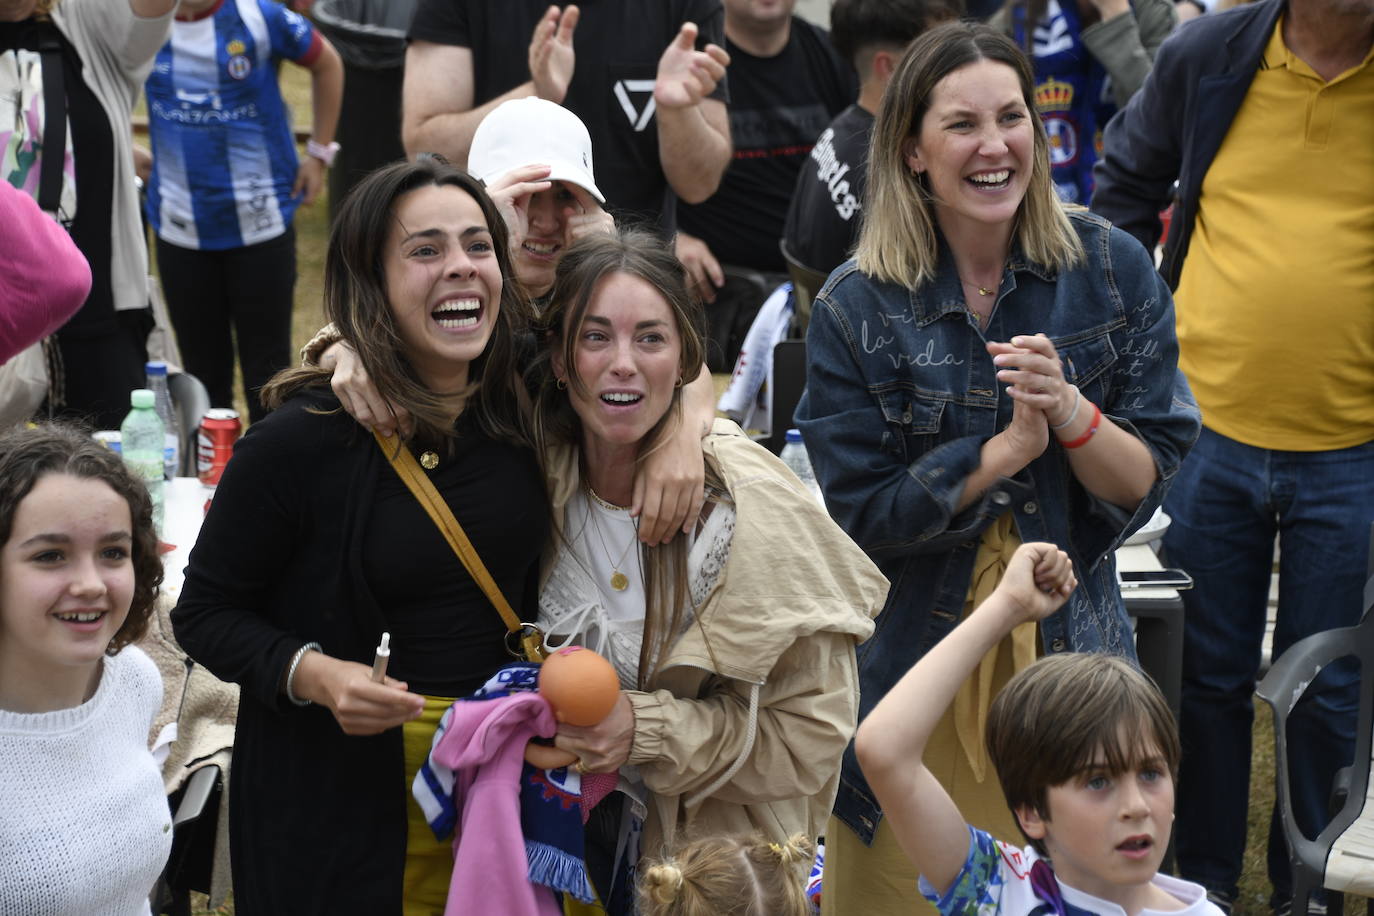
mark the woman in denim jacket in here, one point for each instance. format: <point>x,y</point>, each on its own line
<point>991,368</point>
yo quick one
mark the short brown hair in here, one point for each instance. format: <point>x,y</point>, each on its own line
<point>1054,718</point>
<point>727,876</point>
<point>29,454</point>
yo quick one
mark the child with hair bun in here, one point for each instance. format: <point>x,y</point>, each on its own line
<point>728,876</point>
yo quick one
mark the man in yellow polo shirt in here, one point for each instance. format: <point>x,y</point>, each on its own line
<point>1265,116</point>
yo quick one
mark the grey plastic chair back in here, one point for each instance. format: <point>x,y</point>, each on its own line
<point>191,402</point>
<point>1282,688</point>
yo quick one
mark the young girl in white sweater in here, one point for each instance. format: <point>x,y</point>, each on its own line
<point>86,827</point>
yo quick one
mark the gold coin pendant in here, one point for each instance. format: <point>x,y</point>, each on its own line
<point>619,581</point>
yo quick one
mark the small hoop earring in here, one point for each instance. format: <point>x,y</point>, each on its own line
<point>560,384</point>
<point>678,383</point>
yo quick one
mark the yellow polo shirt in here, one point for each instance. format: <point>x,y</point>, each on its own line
<point>1276,299</point>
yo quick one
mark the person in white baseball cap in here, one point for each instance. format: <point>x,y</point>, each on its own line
<point>535,157</point>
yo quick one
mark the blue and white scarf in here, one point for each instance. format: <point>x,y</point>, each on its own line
<point>1073,95</point>
<point>550,800</point>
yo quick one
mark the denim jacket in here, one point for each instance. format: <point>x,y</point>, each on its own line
<point>901,394</point>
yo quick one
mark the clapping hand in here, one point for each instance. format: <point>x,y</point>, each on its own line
<point>551,53</point>
<point>1034,373</point>
<point>686,75</point>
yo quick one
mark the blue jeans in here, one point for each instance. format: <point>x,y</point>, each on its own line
<point>1228,502</point>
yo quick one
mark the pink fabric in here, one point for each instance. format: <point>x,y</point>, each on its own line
<point>485,747</point>
<point>596,786</point>
<point>44,279</point>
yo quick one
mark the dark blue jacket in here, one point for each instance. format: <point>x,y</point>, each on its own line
<point>901,395</point>
<point>1174,126</point>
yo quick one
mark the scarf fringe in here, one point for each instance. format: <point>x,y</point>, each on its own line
<point>552,867</point>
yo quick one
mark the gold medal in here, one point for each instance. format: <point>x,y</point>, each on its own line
<point>619,581</point>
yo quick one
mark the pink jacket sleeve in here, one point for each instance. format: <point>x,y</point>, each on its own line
<point>44,279</point>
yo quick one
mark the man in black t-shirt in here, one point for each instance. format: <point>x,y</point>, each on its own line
<point>786,83</point>
<point>631,70</point>
<point>823,221</point>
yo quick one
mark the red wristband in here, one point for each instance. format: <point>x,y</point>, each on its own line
<point>1092,429</point>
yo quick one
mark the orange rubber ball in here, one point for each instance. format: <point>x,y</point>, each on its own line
<point>580,685</point>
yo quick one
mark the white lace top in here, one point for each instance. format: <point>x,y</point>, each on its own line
<point>578,605</point>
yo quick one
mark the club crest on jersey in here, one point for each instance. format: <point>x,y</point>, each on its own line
<point>239,66</point>
<point>1062,134</point>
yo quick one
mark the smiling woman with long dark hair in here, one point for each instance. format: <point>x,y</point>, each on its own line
<point>314,547</point>
<point>991,368</point>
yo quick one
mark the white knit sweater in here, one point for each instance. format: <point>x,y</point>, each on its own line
<point>84,824</point>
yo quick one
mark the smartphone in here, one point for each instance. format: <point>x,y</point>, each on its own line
<point>1154,578</point>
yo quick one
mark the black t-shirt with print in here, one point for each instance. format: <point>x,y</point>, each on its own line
<point>617,45</point>
<point>823,223</point>
<point>93,159</point>
<point>778,106</point>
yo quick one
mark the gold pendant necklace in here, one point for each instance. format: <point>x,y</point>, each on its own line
<point>982,290</point>
<point>429,460</point>
<point>619,581</point>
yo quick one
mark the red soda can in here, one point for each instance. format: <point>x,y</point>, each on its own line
<point>215,443</point>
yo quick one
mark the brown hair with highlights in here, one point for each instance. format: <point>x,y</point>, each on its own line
<point>1068,712</point>
<point>898,239</point>
<point>29,454</point>
<point>355,300</point>
<point>577,278</point>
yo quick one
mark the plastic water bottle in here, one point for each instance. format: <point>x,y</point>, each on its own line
<point>141,442</point>
<point>162,403</point>
<point>795,457</point>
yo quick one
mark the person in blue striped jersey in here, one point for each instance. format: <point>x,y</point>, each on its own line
<point>227,180</point>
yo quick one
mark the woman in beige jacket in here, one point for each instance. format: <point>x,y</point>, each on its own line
<point>734,645</point>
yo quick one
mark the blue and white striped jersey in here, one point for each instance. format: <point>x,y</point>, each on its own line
<point>224,159</point>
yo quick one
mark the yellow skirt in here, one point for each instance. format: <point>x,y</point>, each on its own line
<point>429,862</point>
<point>879,880</point>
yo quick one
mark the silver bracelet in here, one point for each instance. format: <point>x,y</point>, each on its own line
<point>291,672</point>
<point>1073,414</point>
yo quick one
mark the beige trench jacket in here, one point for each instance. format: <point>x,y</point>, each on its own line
<point>746,722</point>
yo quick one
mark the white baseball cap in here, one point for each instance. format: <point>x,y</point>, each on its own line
<point>533,130</point>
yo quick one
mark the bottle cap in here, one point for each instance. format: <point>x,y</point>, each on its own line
<point>155,367</point>
<point>794,435</point>
<point>142,397</point>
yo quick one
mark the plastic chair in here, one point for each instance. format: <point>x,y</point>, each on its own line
<point>789,381</point>
<point>1341,858</point>
<point>197,805</point>
<point>191,402</point>
<point>806,283</point>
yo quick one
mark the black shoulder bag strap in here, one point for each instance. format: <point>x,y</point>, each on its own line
<point>54,126</point>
